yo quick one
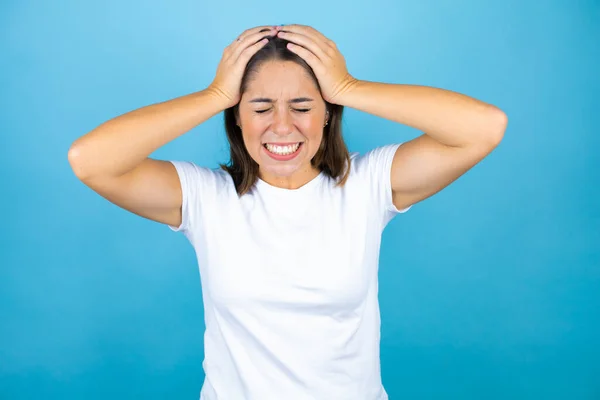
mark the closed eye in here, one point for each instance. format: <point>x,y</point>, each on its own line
<point>302,110</point>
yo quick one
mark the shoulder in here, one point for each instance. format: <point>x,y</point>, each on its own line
<point>193,176</point>
<point>376,159</point>
<point>196,171</point>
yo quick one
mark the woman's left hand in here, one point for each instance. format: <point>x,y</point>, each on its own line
<point>323,57</point>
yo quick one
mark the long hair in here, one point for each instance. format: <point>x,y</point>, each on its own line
<point>332,158</point>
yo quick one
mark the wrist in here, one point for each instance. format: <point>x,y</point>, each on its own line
<point>220,98</point>
<point>348,90</point>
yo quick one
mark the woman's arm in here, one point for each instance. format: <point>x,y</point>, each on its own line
<point>459,131</point>
<point>113,159</point>
<point>450,118</point>
<point>122,143</point>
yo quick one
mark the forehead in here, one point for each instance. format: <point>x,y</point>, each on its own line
<point>281,79</point>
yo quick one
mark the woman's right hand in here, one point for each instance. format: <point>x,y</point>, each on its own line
<point>228,78</point>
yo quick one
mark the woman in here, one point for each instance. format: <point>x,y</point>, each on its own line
<point>288,234</point>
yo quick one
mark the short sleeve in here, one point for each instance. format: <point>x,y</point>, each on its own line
<point>376,165</point>
<point>195,181</point>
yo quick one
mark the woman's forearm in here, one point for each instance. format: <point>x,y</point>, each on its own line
<point>120,144</point>
<point>449,117</point>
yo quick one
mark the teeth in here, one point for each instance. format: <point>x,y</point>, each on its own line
<point>282,150</point>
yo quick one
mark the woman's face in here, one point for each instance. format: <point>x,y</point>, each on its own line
<point>281,115</point>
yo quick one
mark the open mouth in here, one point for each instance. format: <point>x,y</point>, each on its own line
<point>283,153</point>
<point>283,150</point>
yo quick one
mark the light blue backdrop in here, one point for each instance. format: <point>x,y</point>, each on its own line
<point>489,290</point>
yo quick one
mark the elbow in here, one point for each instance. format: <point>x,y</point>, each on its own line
<point>497,127</point>
<point>74,158</point>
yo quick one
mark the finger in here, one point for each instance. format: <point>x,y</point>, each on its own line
<point>249,33</point>
<point>309,31</point>
<point>254,30</point>
<point>306,42</point>
<point>248,52</point>
<point>306,54</point>
<point>241,45</point>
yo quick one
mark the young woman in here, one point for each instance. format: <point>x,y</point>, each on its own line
<point>288,234</point>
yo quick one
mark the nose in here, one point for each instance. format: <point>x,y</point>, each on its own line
<point>282,122</point>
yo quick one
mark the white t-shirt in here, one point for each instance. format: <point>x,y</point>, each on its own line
<point>289,281</point>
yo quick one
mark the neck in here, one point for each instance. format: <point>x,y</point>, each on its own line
<point>291,182</point>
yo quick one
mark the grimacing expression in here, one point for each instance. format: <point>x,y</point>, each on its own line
<point>282,105</point>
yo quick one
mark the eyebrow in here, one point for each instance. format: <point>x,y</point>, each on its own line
<point>267,100</point>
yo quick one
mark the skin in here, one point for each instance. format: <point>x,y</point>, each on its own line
<point>458,130</point>
<point>284,120</point>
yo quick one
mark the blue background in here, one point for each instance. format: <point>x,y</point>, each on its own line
<point>489,290</point>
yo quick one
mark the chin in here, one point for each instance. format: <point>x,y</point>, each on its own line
<point>281,170</point>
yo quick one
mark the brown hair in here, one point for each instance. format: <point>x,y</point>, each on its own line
<point>332,156</point>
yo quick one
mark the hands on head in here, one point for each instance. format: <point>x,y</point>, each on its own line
<point>234,60</point>
<point>319,52</point>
